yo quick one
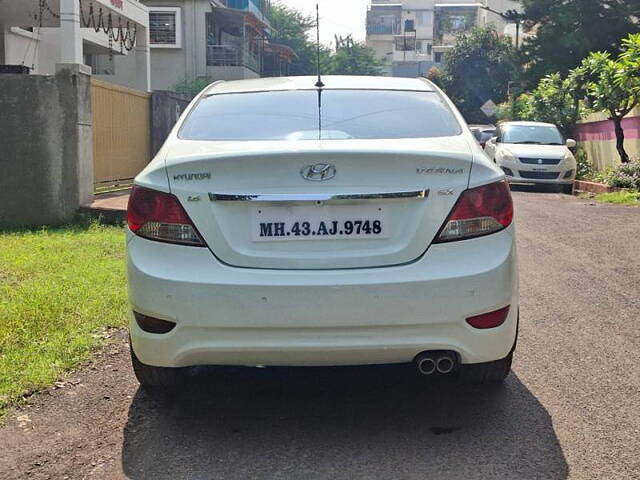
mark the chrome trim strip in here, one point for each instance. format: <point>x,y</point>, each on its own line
<point>315,197</point>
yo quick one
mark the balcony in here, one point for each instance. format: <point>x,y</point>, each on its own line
<point>260,8</point>
<point>382,20</point>
<point>246,5</point>
<point>452,20</point>
<point>383,29</point>
<point>232,56</point>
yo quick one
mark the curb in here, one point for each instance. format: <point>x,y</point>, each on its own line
<point>108,216</point>
<point>593,187</point>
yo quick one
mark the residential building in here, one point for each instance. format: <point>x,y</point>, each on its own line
<point>110,36</point>
<point>411,36</point>
<point>213,39</point>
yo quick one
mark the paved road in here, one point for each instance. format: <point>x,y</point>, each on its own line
<point>570,410</point>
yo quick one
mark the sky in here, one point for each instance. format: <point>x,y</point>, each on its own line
<point>337,17</point>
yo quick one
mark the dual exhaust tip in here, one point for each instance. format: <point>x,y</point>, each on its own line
<point>429,363</point>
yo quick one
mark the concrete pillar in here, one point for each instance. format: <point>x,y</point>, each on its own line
<point>47,168</point>
<point>143,65</point>
<point>81,125</point>
<point>70,32</point>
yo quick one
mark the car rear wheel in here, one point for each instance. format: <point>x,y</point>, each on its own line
<point>157,377</point>
<point>488,373</point>
<point>491,373</point>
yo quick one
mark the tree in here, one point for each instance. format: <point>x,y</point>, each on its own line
<point>479,68</point>
<point>292,28</point>
<point>353,58</point>
<point>518,108</point>
<point>577,82</point>
<point>554,101</point>
<point>613,88</point>
<point>629,73</point>
<point>568,30</point>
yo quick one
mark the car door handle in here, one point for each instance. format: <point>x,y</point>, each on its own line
<point>316,197</point>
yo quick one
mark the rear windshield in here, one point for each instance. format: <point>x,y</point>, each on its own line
<point>342,114</point>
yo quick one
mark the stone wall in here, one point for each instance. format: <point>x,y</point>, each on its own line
<point>46,154</point>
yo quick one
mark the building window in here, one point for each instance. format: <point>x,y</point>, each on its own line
<point>165,27</point>
<point>405,43</point>
<point>438,57</point>
<point>409,26</point>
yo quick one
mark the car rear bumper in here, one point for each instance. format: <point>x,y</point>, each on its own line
<point>236,316</point>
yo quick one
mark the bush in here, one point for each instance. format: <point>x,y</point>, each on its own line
<point>625,176</point>
<point>584,170</point>
<point>191,86</point>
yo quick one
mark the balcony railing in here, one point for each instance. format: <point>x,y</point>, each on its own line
<point>231,56</point>
<point>244,4</point>
<point>260,8</point>
<point>382,29</point>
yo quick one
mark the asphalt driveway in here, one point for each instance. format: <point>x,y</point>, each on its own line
<point>569,410</point>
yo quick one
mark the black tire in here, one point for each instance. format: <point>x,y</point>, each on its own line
<point>567,189</point>
<point>491,373</point>
<point>488,373</point>
<point>157,377</point>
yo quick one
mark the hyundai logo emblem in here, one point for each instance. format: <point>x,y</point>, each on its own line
<point>540,161</point>
<point>318,172</point>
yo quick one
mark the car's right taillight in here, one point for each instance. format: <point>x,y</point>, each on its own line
<point>479,211</point>
<point>159,216</point>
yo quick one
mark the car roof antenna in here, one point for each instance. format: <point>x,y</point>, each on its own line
<point>319,83</point>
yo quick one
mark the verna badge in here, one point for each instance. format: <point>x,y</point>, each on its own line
<point>318,172</point>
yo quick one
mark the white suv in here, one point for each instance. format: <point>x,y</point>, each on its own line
<point>533,152</point>
<point>353,223</point>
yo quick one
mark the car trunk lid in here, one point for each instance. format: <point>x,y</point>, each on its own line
<point>319,204</point>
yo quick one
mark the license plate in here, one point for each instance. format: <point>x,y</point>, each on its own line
<point>318,223</point>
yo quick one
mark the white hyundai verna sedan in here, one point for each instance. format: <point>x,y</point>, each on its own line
<point>285,224</point>
<point>533,152</point>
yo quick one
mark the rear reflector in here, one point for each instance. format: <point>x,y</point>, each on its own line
<point>489,320</point>
<point>153,325</point>
<point>479,211</point>
<point>159,216</point>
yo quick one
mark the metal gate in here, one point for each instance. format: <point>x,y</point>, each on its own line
<point>121,134</point>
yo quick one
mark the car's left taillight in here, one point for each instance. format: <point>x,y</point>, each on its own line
<point>159,216</point>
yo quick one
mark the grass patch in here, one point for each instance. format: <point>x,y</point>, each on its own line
<point>620,198</point>
<point>59,289</point>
